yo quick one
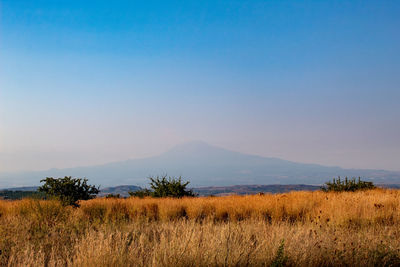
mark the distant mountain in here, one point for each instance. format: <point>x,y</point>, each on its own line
<point>203,165</point>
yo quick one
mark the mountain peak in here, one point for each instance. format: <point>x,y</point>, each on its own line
<point>195,148</point>
<point>196,144</point>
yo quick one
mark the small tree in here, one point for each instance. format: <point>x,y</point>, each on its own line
<point>68,190</point>
<point>165,187</point>
<point>347,185</point>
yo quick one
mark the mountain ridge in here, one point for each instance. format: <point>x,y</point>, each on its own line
<point>203,165</point>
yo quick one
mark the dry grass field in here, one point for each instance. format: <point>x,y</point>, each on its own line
<point>293,229</point>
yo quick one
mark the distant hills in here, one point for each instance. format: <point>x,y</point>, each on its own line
<point>220,190</point>
<point>204,166</point>
<point>252,189</point>
<point>122,190</point>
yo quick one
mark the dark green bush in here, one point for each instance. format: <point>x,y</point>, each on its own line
<point>113,195</point>
<point>68,190</point>
<point>352,185</point>
<point>165,187</point>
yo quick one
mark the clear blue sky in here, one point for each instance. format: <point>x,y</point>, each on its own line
<point>88,82</point>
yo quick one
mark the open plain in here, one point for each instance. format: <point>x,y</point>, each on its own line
<point>292,229</point>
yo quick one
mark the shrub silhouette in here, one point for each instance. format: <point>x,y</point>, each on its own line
<point>68,190</point>
<point>113,195</point>
<point>347,185</point>
<point>165,187</point>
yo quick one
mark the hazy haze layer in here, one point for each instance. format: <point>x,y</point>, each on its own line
<point>84,83</point>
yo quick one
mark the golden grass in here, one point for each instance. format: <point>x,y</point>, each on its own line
<point>318,229</point>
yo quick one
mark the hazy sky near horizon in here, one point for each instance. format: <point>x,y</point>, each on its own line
<point>89,82</point>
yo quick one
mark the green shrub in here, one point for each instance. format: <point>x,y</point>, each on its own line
<point>68,190</point>
<point>352,185</point>
<point>165,187</point>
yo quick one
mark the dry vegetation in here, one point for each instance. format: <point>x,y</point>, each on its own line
<point>316,228</point>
